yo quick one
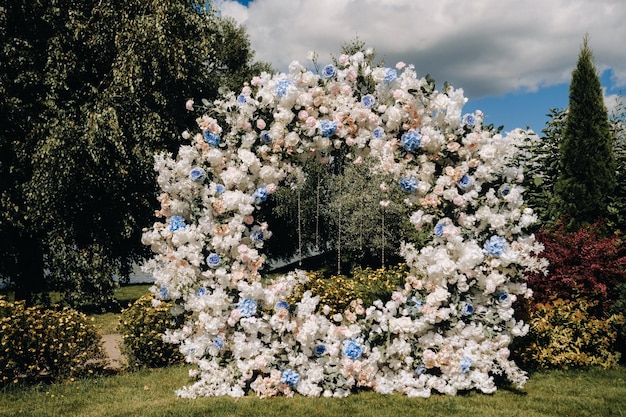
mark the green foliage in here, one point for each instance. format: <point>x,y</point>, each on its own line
<point>142,326</point>
<point>340,292</point>
<point>587,175</point>
<point>91,90</point>
<point>564,334</point>
<point>539,157</point>
<point>40,343</point>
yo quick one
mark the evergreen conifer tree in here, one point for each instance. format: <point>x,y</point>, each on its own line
<point>587,175</point>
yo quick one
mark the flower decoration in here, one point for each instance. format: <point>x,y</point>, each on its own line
<point>495,246</point>
<point>411,140</point>
<point>241,334</point>
<point>197,174</point>
<point>352,350</point>
<point>177,223</point>
<point>408,185</point>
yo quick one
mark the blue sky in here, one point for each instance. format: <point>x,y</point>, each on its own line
<point>512,58</point>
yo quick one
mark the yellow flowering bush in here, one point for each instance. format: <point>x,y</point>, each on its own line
<point>142,326</point>
<point>563,334</point>
<point>366,284</point>
<point>37,343</point>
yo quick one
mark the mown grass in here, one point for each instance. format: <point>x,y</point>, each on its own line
<point>150,393</point>
<point>125,296</point>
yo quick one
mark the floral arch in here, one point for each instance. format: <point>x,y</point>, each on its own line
<point>447,329</point>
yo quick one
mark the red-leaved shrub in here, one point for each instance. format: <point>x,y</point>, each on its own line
<point>583,264</point>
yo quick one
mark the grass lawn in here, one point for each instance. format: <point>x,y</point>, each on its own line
<point>150,393</point>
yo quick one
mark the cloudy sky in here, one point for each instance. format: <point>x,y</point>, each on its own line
<point>513,58</point>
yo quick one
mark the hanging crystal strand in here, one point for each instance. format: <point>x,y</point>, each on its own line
<point>317,212</point>
<point>299,230</point>
<point>383,236</point>
<point>339,234</point>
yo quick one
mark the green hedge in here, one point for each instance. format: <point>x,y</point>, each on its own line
<point>142,326</point>
<point>37,343</point>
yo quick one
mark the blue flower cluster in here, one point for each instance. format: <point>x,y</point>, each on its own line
<point>390,75</point>
<point>368,100</point>
<point>177,222</point>
<point>439,229</point>
<point>265,136</point>
<point>257,236</point>
<point>197,174</point>
<point>408,185</point>
<point>469,120</point>
<point>495,246</point>
<point>281,304</point>
<point>329,71</point>
<point>213,260</point>
<point>465,364</point>
<point>378,133</point>
<point>411,140</point>
<point>247,307</point>
<point>352,350</point>
<point>328,127</point>
<point>281,87</point>
<point>260,195</point>
<point>319,350</point>
<point>218,342</point>
<point>465,183</point>
<point>415,306</point>
<point>201,291</point>
<point>211,138</point>
<point>290,377</point>
<point>467,309</point>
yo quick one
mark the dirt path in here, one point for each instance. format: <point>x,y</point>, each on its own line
<point>111,344</point>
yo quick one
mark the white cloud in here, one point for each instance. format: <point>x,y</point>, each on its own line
<point>487,47</point>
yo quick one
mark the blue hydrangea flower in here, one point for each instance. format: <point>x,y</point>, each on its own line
<point>502,296</point>
<point>290,377</point>
<point>164,294</point>
<point>260,195</point>
<point>241,99</point>
<point>415,306</point>
<point>281,304</point>
<point>420,369</point>
<point>378,133</point>
<point>352,350</point>
<point>469,120</point>
<point>411,140</point>
<point>329,71</point>
<point>197,174</point>
<point>408,185</point>
<point>504,190</point>
<point>265,136</point>
<point>390,75</point>
<point>368,100</point>
<point>247,307</point>
<point>211,138</point>
<point>467,309</point>
<point>439,229</point>
<point>218,342</point>
<point>220,188</point>
<point>201,291</point>
<point>495,246</point>
<point>328,127</point>
<point>213,260</point>
<point>465,364</point>
<point>257,236</point>
<point>281,87</point>
<point>465,183</point>
<point>177,222</point>
<point>319,350</point>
